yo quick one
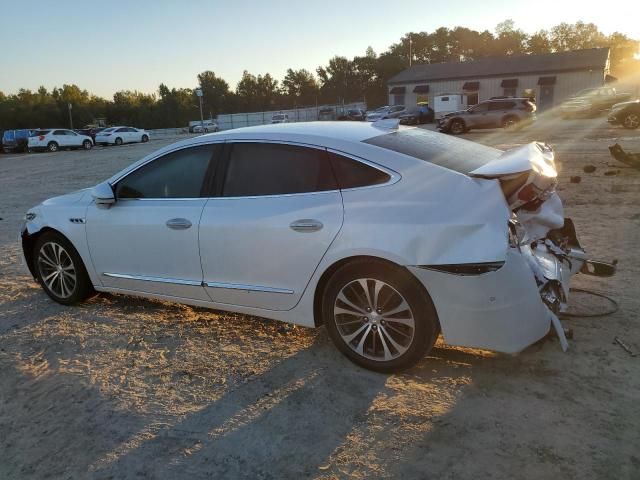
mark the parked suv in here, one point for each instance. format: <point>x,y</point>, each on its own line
<point>495,113</point>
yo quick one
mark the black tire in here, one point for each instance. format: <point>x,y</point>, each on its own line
<point>145,138</point>
<point>118,141</point>
<point>87,144</point>
<point>43,259</point>
<point>52,147</point>
<point>457,126</point>
<point>398,281</point>
<point>631,121</point>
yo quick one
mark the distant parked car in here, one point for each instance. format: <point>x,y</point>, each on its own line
<point>591,101</point>
<point>353,114</point>
<point>120,135</point>
<point>626,114</point>
<point>326,114</point>
<point>504,113</point>
<point>412,117</point>
<point>15,140</point>
<point>90,132</point>
<point>208,128</point>
<point>383,113</point>
<point>280,118</point>
<point>56,139</point>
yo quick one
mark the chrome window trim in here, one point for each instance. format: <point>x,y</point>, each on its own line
<point>146,278</point>
<point>251,288</point>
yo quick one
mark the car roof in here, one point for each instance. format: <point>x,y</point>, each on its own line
<point>351,132</point>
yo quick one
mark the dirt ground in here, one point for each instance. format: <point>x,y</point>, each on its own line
<point>129,388</point>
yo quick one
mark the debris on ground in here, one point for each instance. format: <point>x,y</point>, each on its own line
<point>610,173</point>
<point>625,347</point>
<point>631,159</point>
<point>588,169</point>
<point>575,179</point>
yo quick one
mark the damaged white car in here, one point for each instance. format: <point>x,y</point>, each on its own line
<point>386,236</point>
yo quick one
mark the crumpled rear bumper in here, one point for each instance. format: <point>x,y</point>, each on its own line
<point>500,310</point>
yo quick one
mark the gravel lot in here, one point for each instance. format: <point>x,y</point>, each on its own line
<point>128,388</point>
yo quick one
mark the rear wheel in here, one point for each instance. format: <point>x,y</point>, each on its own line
<point>145,138</point>
<point>509,123</point>
<point>457,126</point>
<point>87,145</point>
<point>118,141</point>
<point>631,121</point>
<point>379,316</point>
<point>60,270</point>
<point>52,147</point>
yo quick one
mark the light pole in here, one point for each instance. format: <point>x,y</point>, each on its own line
<point>199,94</point>
<point>70,116</point>
<point>410,52</point>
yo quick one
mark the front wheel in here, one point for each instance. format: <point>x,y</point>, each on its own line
<point>457,127</point>
<point>631,121</point>
<point>87,145</point>
<point>59,269</point>
<point>379,316</point>
<point>145,138</point>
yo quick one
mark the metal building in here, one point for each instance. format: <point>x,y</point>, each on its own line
<point>549,78</point>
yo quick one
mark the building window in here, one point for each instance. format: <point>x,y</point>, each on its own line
<point>472,99</point>
<point>398,99</point>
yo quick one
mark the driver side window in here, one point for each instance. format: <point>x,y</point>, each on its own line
<point>178,174</point>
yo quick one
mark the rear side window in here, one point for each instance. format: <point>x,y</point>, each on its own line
<point>453,153</point>
<point>352,173</point>
<point>501,105</point>
<point>177,174</point>
<point>257,169</point>
<point>38,133</point>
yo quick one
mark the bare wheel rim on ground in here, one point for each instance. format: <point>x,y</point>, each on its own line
<point>374,319</point>
<point>57,270</point>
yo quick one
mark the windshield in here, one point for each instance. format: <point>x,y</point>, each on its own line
<point>453,153</point>
<point>278,117</point>
<point>107,130</point>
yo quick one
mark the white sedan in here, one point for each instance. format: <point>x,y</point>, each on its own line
<point>55,139</point>
<point>120,135</point>
<point>386,236</point>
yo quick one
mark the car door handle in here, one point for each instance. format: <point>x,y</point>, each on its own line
<point>178,223</point>
<point>306,225</point>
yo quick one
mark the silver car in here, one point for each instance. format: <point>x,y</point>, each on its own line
<point>494,113</point>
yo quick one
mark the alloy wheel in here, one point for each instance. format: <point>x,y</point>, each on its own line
<point>57,269</point>
<point>632,121</point>
<point>374,319</point>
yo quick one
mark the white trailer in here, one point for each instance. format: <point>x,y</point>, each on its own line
<point>444,103</point>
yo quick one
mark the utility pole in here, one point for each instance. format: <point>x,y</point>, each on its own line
<point>410,49</point>
<point>70,116</point>
<point>199,94</point>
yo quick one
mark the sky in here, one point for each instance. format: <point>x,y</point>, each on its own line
<point>116,45</point>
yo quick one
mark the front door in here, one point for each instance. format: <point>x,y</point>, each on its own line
<point>546,97</point>
<point>148,240</point>
<point>263,238</point>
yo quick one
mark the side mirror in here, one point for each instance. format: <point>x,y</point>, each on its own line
<point>103,195</point>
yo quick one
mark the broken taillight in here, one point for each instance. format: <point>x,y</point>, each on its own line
<point>41,137</point>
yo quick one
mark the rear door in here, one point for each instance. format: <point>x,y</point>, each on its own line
<point>261,239</point>
<point>497,112</point>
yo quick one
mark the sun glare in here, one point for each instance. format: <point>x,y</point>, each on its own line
<point>636,56</point>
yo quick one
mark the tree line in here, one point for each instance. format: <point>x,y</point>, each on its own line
<point>362,78</point>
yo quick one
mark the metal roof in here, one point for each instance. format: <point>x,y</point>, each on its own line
<point>593,58</point>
